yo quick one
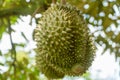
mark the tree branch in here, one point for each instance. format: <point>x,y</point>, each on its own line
<point>21,10</point>
<point>13,50</point>
<point>15,11</point>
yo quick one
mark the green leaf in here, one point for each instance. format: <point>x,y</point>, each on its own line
<point>0,53</point>
<point>20,44</point>
<point>1,64</point>
<point>117,38</point>
<point>110,34</point>
<point>106,22</point>
<point>14,19</point>
<point>2,29</point>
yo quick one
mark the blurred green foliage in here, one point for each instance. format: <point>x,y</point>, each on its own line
<point>101,15</point>
<point>24,69</point>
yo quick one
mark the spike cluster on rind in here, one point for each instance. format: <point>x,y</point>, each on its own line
<point>64,45</point>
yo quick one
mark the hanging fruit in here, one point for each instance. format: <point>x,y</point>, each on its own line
<point>64,43</point>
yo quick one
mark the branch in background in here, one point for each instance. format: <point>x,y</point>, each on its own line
<point>13,50</point>
<point>15,11</point>
<point>24,9</point>
<point>18,10</point>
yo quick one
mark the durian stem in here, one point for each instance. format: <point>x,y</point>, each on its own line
<point>63,1</point>
<point>13,50</point>
<point>33,15</point>
<point>54,1</point>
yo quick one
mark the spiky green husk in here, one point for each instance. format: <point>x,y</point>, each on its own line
<point>64,45</point>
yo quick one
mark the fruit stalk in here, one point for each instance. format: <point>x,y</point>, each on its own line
<point>63,1</point>
<point>53,1</point>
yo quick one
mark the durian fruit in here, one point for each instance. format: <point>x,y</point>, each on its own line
<point>64,43</point>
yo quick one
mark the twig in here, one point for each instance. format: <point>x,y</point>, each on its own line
<point>13,50</point>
